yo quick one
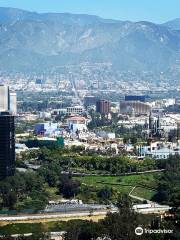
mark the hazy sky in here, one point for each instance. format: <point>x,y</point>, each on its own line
<point>151,10</point>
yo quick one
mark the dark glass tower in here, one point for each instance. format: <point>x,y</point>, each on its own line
<point>7,145</point>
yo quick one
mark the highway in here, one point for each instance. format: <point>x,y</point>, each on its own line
<point>57,212</point>
<point>68,215</point>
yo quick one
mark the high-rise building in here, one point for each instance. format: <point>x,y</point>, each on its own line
<point>103,107</point>
<point>4,98</point>
<point>8,100</point>
<point>7,145</point>
<point>90,100</point>
<point>13,103</point>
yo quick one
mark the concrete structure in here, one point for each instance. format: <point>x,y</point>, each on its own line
<point>13,103</point>
<point>104,134</point>
<point>75,110</point>
<point>8,100</point>
<point>7,145</point>
<point>4,98</point>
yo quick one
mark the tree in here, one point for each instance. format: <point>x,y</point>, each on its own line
<point>168,191</point>
<point>83,230</point>
<point>105,193</point>
<point>68,187</point>
<point>9,200</point>
<point>121,225</point>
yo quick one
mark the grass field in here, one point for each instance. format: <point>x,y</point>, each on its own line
<point>146,183</point>
<point>144,193</point>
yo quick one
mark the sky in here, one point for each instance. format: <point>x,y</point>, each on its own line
<point>157,11</point>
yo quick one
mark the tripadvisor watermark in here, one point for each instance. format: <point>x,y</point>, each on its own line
<point>140,231</point>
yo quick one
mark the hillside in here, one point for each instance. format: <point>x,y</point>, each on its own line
<point>31,41</point>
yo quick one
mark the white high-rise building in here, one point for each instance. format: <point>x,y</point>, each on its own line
<point>8,101</point>
<point>4,98</point>
<point>13,103</point>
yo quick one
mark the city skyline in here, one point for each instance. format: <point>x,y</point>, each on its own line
<point>158,12</point>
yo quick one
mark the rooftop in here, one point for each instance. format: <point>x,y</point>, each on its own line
<point>77,118</point>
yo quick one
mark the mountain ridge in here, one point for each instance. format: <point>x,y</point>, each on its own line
<point>30,41</point>
<point>173,24</point>
<point>10,14</point>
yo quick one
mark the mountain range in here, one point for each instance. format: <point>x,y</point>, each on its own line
<point>31,41</point>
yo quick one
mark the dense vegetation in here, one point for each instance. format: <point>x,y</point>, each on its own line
<point>121,225</point>
<point>24,190</point>
<point>31,190</point>
<point>20,192</point>
<point>79,160</point>
<point>169,184</point>
<point>115,226</point>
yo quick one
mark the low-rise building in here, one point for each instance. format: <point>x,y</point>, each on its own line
<point>158,150</point>
<point>45,129</point>
<point>75,110</point>
<point>77,123</point>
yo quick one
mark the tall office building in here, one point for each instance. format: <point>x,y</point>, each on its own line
<point>13,103</point>
<point>90,100</point>
<point>8,100</point>
<point>4,98</point>
<point>103,107</point>
<point>7,145</point>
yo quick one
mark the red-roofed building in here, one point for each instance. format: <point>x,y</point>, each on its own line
<point>77,123</point>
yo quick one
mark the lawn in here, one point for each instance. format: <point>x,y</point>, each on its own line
<point>146,183</point>
<point>144,193</point>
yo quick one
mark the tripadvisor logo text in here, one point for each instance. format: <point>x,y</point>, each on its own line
<point>140,231</point>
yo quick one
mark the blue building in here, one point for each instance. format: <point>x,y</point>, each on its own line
<point>45,129</point>
<point>135,98</point>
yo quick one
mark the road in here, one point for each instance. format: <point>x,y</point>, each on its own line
<point>69,215</point>
<point>76,92</point>
<point>113,175</point>
<point>155,207</point>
